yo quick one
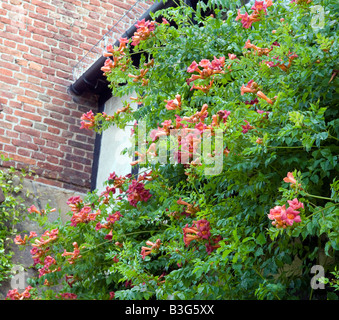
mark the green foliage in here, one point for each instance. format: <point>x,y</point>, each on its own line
<point>11,211</point>
<point>293,128</point>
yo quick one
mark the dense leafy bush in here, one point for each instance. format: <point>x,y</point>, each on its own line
<point>265,76</point>
<point>11,212</point>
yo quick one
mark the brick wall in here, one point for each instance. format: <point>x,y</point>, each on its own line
<point>40,42</point>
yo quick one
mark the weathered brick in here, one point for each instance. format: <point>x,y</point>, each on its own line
<point>24,152</point>
<point>55,123</point>
<point>10,149</point>
<point>38,156</point>
<point>53,130</point>
<point>27,130</point>
<point>22,159</point>
<point>24,144</point>
<point>27,115</point>
<point>52,152</point>
<point>53,137</point>
<point>5,140</point>
<point>26,123</point>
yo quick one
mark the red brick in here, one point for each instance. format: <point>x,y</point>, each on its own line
<point>52,152</point>
<point>46,19</point>
<point>37,44</point>
<point>6,125</point>
<point>12,134</point>
<point>52,144</point>
<point>40,142</point>
<point>24,152</point>
<point>10,149</point>
<point>52,137</point>
<point>5,140</point>
<point>6,72</point>
<point>48,166</point>
<point>52,159</point>
<point>26,123</point>
<point>8,80</point>
<point>23,159</point>
<point>53,130</point>
<point>38,156</point>
<point>24,144</point>
<point>12,119</point>
<point>31,101</point>
<point>43,4</point>
<point>55,123</point>
<point>26,115</point>
<point>29,131</point>
<point>74,158</point>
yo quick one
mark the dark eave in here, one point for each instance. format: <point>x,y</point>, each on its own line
<point>93,79</point>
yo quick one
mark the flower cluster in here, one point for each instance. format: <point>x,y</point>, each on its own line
<point>70,280</point>
<point>117,55</point>
<point>73,255</point>
<point>15,295</point>
<point>258,51</point>
<point>290,179</point>
<point>190,209</point>
<point>283,217</point>
<point>252,87</point>
<point>254,103</point>
<point>68,296</point>
<point>145,251</point>
<point>164,131</point>
<point>140,76</point>
<point>143,32</point>
<point>84,215</point>
<point>40,247</point>
<point>213,244</point>
<point>74,202</point>
<point>19,241</point>
<point>34,209</point>
<point>209,68</point>
<point>46,237</point>
<point>280,64</point>
<point>137,192</point>
<point>258,8</point>
<point>246,127</point>
<point>117,182</point>
<point>88,120</point>
<point>198,231</point>
<point>48,262</point>
<point>174,104</point>
<point>189,140</point>
<point>107,193</point>
<point>221,115</point>
<point>111,219</point>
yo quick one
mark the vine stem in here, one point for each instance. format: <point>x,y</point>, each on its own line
<point>319,197</point>
<point>333,205</point>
